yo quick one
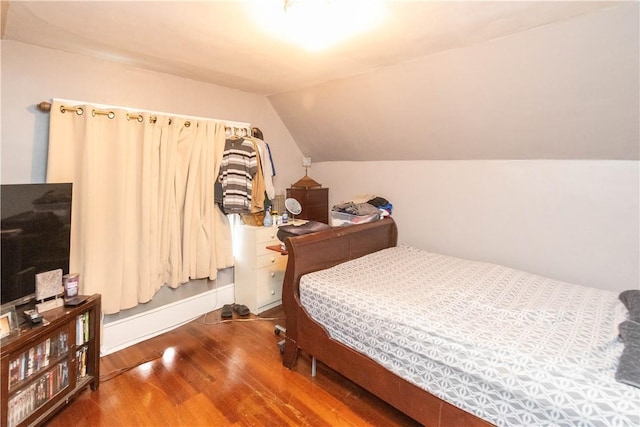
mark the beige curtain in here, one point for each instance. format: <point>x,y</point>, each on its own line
<point>143,213</point>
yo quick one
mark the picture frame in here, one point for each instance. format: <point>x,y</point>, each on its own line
<point>8,322</point>
<point>49,284</point>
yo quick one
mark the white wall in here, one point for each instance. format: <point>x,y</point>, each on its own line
<point>32,74</point>
<point>576,221</point>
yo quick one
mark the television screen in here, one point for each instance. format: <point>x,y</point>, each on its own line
<point>36,236</point>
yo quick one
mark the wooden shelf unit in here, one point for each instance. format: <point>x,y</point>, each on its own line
<point>45,365</point>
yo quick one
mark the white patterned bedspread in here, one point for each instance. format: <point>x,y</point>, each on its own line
<point>510,347</point>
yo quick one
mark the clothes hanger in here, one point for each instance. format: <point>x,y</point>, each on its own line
<point>234,133</point>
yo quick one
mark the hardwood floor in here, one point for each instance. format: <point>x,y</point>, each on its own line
<point>221,374</point>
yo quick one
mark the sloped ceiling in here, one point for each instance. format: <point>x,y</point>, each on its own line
<point>565,91</point>
<point>395,92</point>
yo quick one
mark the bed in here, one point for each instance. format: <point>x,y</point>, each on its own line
<point>546,356</point>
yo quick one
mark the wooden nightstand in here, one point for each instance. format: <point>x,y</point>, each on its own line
<point>314,202</point>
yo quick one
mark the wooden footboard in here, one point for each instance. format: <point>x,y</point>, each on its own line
<point>317,251</point>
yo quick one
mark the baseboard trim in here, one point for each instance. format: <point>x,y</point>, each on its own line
<point>123,333</point>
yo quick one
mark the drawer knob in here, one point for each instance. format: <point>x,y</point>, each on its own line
<point>273,292</point>
<point>273,260</point>
<point>273,274</point>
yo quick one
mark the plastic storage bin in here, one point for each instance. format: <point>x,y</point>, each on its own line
<point>341,219</point>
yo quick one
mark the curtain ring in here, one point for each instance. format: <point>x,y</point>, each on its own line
<point>154,119</point>
<point>109,114</point>
<point>79,111</point>
<point>138,117</point>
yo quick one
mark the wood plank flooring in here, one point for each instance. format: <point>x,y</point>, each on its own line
<point>208,373</point>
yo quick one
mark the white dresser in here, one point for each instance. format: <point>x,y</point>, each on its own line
<point>259,271</point>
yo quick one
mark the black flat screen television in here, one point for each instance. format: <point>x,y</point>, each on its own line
<point>36,236</point>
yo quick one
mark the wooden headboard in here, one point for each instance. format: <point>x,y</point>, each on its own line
<point>316,251</point>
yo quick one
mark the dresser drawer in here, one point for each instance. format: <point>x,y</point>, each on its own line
<point>266,234</point>
<point>269,289</point>
<point>271,259</point>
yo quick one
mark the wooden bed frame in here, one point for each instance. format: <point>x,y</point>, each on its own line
<point>324,249</point>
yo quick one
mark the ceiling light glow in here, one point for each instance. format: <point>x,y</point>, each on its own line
<point>317,24</point>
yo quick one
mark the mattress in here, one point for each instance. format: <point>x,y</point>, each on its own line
<point>513,348</point>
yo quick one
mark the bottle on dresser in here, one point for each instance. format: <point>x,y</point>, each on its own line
<point>268,220</point>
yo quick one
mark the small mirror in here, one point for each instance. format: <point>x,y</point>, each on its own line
<point>293,206</point>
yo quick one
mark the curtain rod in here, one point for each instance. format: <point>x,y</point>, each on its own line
<point>45,107</point>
